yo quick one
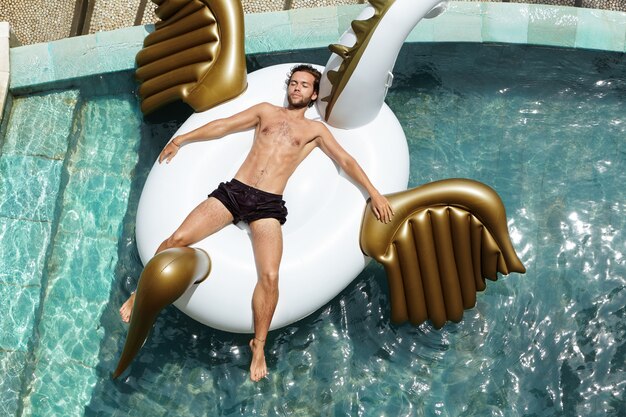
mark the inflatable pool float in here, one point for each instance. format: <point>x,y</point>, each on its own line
<point>321,236</point>
<point>329,235</point>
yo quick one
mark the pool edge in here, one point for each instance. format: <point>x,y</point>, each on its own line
<point>7,40</point>
<point>521,23</point>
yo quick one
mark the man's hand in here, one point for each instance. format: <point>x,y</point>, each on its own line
<point>381,208</point>
<point>170,150</point>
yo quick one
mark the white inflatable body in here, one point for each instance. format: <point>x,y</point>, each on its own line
<point>321,236</point>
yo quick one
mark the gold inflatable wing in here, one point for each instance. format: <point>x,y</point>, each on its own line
<point>196,54</point>
<point>164,279</point>
<point>445,237</point>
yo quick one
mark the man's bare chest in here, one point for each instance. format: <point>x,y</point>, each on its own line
<point>281,133</point>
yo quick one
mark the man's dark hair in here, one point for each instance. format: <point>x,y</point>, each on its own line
<point>307,68</point>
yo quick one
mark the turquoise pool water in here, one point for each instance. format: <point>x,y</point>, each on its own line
<point>545,127</point>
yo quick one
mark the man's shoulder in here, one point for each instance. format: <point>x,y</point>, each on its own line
<point>264,105</point>
<point>261,107</point>
<point>316,123</point>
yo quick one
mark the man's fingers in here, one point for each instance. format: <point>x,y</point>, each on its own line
<point>384,213</point>
<point>164,154</point>
<point>167,154</point>
<point>389,213</point>
<point>381,214</point>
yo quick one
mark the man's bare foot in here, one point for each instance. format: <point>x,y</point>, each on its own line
<point>127,308</point>
<point>258,368</point>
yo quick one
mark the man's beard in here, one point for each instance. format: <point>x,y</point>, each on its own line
<point>298,105</point>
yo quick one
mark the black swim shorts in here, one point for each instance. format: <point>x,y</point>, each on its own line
<point>249,204</point>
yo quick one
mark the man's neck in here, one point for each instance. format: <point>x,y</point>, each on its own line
<point>296,112</point>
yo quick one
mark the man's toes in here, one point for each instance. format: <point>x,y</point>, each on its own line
<point>125,317</point>
<point>256,376</point>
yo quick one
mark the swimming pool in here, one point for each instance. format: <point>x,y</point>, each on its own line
<point>545,127</point>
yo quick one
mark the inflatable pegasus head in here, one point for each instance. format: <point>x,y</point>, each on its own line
<point>359,72</point>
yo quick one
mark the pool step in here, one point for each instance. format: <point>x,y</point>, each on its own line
<point>66,168</point>
<point>83,254</point>
<point>31,161</point>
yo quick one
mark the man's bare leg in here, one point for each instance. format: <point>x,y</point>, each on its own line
<point>204,220</point>
<point>267,243</point>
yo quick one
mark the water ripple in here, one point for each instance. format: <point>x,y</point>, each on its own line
<point>543,128</point>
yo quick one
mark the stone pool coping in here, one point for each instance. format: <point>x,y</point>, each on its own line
<point>34,67</point>
<point>7,40</point>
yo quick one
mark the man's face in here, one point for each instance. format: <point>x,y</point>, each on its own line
<point>300,90</point>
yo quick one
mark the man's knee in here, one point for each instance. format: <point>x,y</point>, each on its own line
<point>177,240</point>
<point>269,278</point>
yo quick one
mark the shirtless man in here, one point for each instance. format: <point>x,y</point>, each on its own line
<point>283,138</point>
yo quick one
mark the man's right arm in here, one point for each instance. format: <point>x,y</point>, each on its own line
<point>216,129</point>
<point>329,145</point>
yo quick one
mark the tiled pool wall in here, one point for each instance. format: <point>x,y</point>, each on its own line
<point>30,19</point>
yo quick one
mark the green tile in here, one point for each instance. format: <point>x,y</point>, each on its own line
<point>96,202</point>
<point>54,112</point>
<point>549,25</point>
<point>599,29</point>
<point>17,311</point>
<point>345,15</point>
<point>315,26</point>
<point>267,32</point>
<point>23,251</point>
<point>460,23</point>
<point>81,266</point>
<point>81,270</point>
<point>31,65</point>
<point>117,49</point>
<point>75,57</point>
<point>108,147</point>
<point>59,388</point>
<point>505,22</point>
<point>11,368</point>
<point>424,31</point>
<point>28,187</point>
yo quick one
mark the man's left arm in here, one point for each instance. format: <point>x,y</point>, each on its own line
<point>330,146</point>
